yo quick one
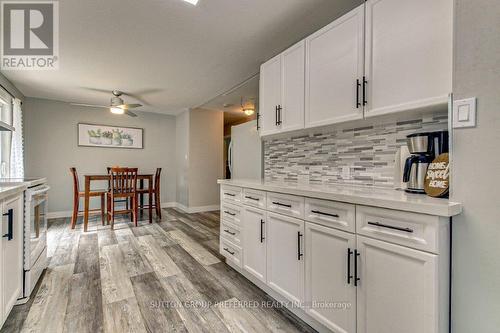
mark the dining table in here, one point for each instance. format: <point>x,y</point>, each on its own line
<point>106,177</point>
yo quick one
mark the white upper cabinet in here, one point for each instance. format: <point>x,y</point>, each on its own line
<point>334,66</point>
<point>282,92</point>
<point>408,54</point>
<point>397,290</point>
<point>270,95</point>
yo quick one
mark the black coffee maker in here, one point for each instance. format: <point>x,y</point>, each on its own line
<point>424,148</point>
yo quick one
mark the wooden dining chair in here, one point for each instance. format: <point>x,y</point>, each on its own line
<point>77,194</point>
<point>123,185</point>
<point>127,200</point>
<point>156,193</point>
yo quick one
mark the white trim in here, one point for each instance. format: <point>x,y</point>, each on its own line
<point>172,204</point>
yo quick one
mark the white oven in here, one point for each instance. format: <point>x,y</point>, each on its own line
<point>35,235</point>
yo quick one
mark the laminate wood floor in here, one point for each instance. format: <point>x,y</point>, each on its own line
<point>162,277</point>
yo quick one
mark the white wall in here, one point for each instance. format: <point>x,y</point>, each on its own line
<point>476,170</point>
<point>50,129</point>
<point>206,164</point>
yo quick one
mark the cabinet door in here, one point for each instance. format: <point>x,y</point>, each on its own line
<point>397,291</point>
<point>12,266</point>
<point>408,54</point>
<point>334,63</point>
<point>285,261</point>
<point>270,95</point>
<point>254,242</point>
<point>293,64</point>
<point>329,265</point>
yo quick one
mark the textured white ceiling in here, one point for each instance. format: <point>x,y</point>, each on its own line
<point>183,55</point>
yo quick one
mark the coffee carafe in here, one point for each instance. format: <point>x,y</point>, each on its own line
<point>423,147</point>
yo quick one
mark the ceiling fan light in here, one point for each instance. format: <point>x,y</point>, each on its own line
<point>116,110</point>
<point>193,2</point>
<point>248,111</point>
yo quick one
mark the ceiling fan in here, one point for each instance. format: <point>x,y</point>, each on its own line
<point>116,106</point>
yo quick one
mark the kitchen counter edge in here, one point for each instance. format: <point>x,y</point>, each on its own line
<point>376,197</point>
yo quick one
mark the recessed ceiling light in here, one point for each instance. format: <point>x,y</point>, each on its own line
<point>193,2</point>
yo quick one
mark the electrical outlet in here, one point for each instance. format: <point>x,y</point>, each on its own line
<point>346,172</point>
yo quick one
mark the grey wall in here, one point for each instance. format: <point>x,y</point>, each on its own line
<point>206,162</point>
<point>51,147</point>
<point>182,157</point>
<point>476,170</point>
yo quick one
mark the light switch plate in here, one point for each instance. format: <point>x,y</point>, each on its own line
<point>464,113</point>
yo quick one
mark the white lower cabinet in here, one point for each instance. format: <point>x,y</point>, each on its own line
<point>398,288</point>
<point>11,253</point>
<point>254,242</point>
<point>285,256</point>
<point>330,293</point>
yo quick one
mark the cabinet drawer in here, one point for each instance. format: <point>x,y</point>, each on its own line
<point>414,230</point>
<point>231,232</point>
<point>331,214</point>
<point>231,251</point>
<point>230,194</point>
<point>231,213</point>
<point>286,204</point>
<point>254,198</point>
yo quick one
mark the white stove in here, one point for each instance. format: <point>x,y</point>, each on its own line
<point>35,230</point>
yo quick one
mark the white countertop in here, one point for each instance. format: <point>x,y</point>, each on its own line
<point>8,190</point>
<point>360,195</point>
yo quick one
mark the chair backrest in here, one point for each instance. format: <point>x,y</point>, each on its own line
<point>76,185</point>
<point>157,178</point>
<point>123,180</point>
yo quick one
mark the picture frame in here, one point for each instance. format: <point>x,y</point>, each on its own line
<point>108,136</point>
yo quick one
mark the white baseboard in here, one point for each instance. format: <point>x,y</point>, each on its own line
<point>172,204</point>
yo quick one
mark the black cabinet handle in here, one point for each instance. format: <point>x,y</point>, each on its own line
<point>276,115</point>
<point>299,236</point>
<point>281,204</point>
<point>349,276</point>
<point>227,250</point>
<point>10,226</point>
<point>356,278</point>
<point>323,213</point>
<point>252,198</point>
<point>257,118</point>
<point>229,232</point>
<point>229,213</point>
<point>262,231</point>
<point>230,194</point>
<point>358,104</point>
<point>390,227</point>
<point>279,114</point>
<point>364,90</point>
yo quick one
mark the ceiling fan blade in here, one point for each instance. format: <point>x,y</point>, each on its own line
<point>107,91</point>
<point>90,105</point>
<point>139,95</point>
<point>130,113</point>
<point>128,106</point>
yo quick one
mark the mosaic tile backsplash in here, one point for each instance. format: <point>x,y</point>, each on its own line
<point>367,151</point>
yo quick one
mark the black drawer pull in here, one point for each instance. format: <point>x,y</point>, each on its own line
<point>299,236</point>
<point>262,231</point>
<point>358,104</point>
<point>229,232</point>
<point>322,213</point>
<point>10,225</point>
<point>349,276</point>
<point>356,278</point>
<point>230,194</point>
<point>227,250</point>
<point>229,213</point>
<point>282,204</point>
<point>390,227</point>
<point>252,198</point>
